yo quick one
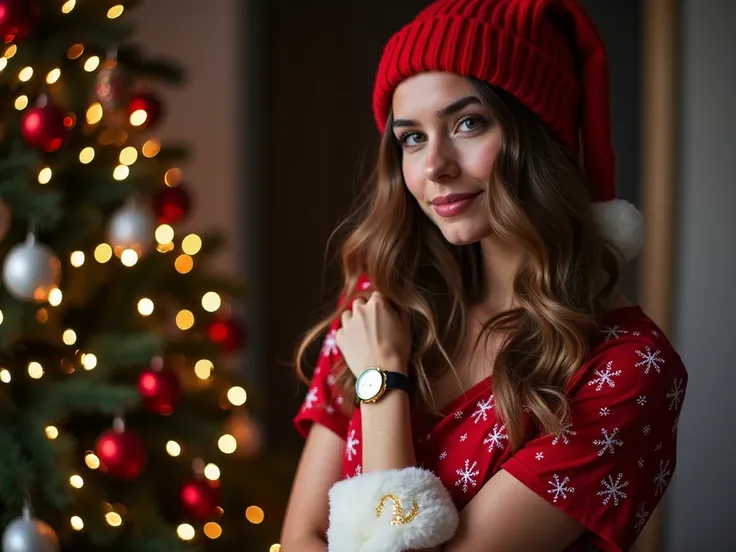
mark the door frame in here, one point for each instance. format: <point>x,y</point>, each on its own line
<point>659,185</point>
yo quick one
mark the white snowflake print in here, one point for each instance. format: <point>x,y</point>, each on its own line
<point>655,333</point>
<point>605,377</point>
<point>662,478</point>
<point>467,475</point>
<point>330,380</point>
<point>612,489</point>
<point>558,487</point>
<point>659,446</point>
<point>562,435</point>
<point>641,517</point>
<point>311,398</point>
<point>458,415</point>
<point>646,429</point>
<point>329,347</point>
<point>495,437</point>
<point>609,442</point>
<point>338,400</point>
<point>641,462</point>
<point>675,394</point>
<point>641,400</point>
<point>539,455</point>
<point>613,332</point>
<point>637,334</point>
<point>651,360</point>
<point>463,437</point>
<point>330,409</point>
<point>443,455</point>
<point>604,411</point>
<point>350,445</point>
<point>482,410</point>
<point>365,285</point>
<point>358,470</point>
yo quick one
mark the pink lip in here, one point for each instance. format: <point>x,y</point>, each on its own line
<point>453,204</point>
<point>452,198</point>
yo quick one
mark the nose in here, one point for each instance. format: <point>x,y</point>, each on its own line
<point>440,164</point>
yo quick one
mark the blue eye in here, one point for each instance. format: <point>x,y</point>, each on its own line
<point>471,123</point>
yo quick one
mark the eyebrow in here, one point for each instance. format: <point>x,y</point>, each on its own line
<point>451,109</point>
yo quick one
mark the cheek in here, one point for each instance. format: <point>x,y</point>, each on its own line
<point>479,161</point>
<point>414,178</point>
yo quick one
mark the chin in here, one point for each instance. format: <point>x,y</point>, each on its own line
<point>457,236</point>
<point>462,230</point>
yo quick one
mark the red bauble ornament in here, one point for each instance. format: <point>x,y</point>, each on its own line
<point>122,453</point>
<point>200,499</point>
<point>43,127</point>
<point>172,204</point>
<point>229,334</point>
<point>148,103</point>
<point>160,390</point>
<point>17,19</point>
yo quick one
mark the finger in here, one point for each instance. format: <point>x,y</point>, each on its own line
<point>346,316</point>
<point>358,303</point>
<point>376,297</point>
<point>338,338</point>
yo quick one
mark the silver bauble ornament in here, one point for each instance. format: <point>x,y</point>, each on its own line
<point>27,534</point>
<point>133,227</point>
<point>5,218</point>
<point>31,270</point>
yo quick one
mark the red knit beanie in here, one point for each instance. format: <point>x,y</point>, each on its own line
<point>519,46</point>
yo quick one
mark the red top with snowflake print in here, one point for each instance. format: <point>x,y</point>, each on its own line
<point>608,468</point>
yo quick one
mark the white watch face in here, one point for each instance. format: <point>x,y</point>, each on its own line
<point>369,384</point>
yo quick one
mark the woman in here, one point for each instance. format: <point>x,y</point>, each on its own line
<point>482,385</point>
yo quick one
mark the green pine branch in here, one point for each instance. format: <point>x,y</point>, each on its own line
<point>122,350</point>
<point>83,395</point>
<point>50,462</point>
<point>15,472</point>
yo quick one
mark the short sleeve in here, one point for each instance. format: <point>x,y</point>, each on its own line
<point>611,465</point>
<point>323,402</point>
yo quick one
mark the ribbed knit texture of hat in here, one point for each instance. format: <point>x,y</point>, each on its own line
<point>519,46</point>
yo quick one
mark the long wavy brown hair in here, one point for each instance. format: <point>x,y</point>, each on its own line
<point>538,198</point>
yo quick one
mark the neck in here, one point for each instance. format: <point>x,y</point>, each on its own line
<point>500,264</point>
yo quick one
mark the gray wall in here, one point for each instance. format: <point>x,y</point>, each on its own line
<point>701,500</point>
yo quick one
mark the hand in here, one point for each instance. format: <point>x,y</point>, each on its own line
<point>374,334</point>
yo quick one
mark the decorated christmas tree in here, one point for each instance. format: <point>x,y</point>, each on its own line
<point>123,420</point>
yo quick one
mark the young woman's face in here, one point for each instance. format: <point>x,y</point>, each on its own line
<point>449,142</point>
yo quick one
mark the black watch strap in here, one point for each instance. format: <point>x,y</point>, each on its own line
<point>396,380</point>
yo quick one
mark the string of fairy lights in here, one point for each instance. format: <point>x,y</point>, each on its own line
<point>165,243</point>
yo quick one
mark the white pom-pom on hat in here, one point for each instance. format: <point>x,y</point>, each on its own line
<point>622,225</point>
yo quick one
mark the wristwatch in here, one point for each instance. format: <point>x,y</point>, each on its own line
<point>373,383</point>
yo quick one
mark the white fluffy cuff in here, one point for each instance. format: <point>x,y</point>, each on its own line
<point>390,511</point>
